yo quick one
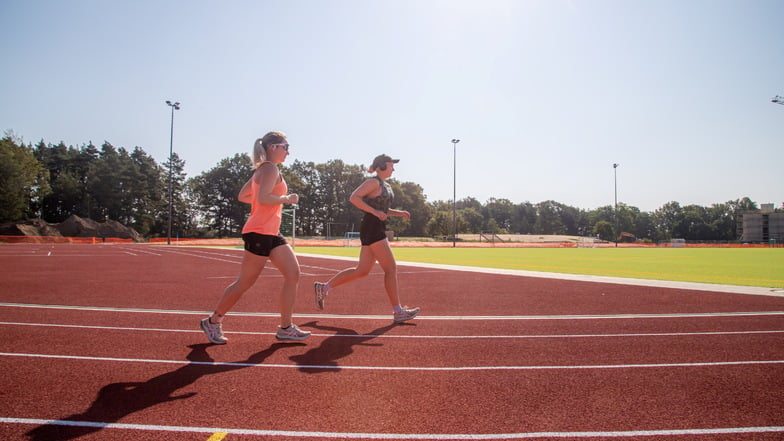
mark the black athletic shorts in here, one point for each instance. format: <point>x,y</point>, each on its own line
<point>371,230</point>
<point>262,244</point>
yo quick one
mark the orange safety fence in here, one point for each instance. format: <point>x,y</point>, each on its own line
<point>228,241</point>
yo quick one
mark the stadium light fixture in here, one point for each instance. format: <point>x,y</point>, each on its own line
<point>174,106</point>
<point>615,178</point>
<point>454,192</point>
<point>778,100</point>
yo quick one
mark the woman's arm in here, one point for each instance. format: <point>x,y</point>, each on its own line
<point>246,193</point>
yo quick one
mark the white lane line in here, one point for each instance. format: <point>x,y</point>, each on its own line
<point>140,250</point>
<point>420,317</point>
<point>230,259</point>
<point>400,368</point>
<point>424,337</point>
<point>399,436</point>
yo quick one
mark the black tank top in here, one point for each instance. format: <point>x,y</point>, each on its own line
<point>384,200</point>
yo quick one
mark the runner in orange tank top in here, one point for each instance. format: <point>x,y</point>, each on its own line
<point>266,192</point>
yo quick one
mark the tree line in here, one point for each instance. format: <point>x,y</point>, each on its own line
<point>54,181</point>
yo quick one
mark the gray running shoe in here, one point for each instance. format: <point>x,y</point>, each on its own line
<point>291,333</point>
<point>406,314</point>
<point>321,294</point>
<point>214,331</point>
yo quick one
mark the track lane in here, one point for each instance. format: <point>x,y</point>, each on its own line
<point>348,401</point>
<point>532,402</point>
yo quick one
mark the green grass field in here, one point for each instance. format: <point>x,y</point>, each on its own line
<point>763,267</point>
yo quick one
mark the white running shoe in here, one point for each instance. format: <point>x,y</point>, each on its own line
<point>321,294</point>
<point>406,314</point>
<point>214,331</point>
<point>291,333</point>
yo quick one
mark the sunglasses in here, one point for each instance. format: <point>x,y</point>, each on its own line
<point>285,146</point>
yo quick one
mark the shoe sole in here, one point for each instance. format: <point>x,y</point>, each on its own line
<point>406,319</point>
<point>204,328</point>
<point>290,338</point>
<point>319,303</point>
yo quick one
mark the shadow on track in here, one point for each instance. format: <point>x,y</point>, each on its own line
<point>324,358</point>
<point>117,400</point>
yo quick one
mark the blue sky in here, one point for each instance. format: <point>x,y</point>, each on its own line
<point>545,95</point>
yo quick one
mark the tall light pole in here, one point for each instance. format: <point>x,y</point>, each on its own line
<point>174,106</point>
<point>454,192</point>
<point>615,177</point>
<point>778,100</point>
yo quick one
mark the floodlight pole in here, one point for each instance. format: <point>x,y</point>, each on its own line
<point>615,178</point>
<point>454,192</point>
<point>174,106</point>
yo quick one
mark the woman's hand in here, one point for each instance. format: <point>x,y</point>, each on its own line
<point>400,213</point>
<point>293,198</point>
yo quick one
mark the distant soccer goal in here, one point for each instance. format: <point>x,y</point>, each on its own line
<point>351,239</point>
<point>677,243</point>
<point>587,242</point>
<point>485,236</point>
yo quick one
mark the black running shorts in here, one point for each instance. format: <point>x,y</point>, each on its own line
<point>262,244</point>
<point>371,230</point>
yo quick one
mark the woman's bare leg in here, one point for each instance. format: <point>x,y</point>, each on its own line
<point>286,261</point>
<point>251,267</point>
<point>383,254</point>
<point>366,261</point>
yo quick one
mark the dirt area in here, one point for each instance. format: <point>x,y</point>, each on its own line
<point>74,226</point>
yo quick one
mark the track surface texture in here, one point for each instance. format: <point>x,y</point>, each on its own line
<point>102,342</point>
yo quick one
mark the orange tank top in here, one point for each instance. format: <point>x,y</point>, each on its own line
<point>265,219</point>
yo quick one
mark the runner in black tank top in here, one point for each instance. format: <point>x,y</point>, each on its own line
<point>375,198</point>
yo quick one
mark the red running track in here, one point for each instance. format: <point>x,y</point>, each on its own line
<point>102,342</point>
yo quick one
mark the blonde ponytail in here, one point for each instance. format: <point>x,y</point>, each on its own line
<point>259,153</point>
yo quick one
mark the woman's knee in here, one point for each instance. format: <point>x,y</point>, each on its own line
<point>362,271</point>
<point>284,259</point>
<point>390,268</point>
<point>291,274</point>
<point>387,263</point>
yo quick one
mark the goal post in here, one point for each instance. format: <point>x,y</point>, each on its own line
<point>351,238</point>
<point>288,224</point>
<point>587,242</point>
